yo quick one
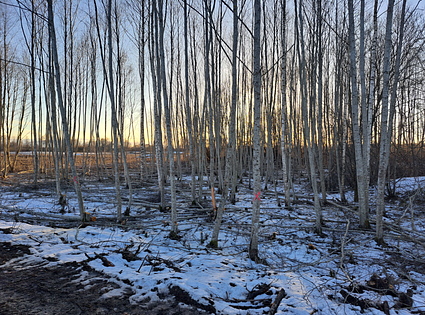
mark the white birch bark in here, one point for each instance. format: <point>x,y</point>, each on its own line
<point>34,129</point>
<point>156,78</point>
<point>365,123</point>
<point>370,100</point>
<point>355,119</point>
<point>62,110</point>
<point>284,109</point>
<point>141,46</point>
<point>188,110</point>
<point>383,152</point>
<point>207,93</point>
<point>157,134</point>
<point>256,82</point>
<point>54,125</point>
<point>387,114</point>
<point>320,102</point>
<point>230,156</point>
<point>167,117</point>
<point>338,109</point>
<point>113,114</point>
<point>344,141</point>
<point>307,127</point>
<point>120,129</point>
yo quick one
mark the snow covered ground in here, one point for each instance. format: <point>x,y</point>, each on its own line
<point>314,271</point>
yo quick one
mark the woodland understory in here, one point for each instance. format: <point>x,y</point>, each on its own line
<point>350,267</point>
<point>286,137</point>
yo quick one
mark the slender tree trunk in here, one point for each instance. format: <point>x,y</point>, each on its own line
<point>256,167</point>
<point>217,92</point>
<point>365,121</point>
<point>167,118</point>
<point>232,132</point>
<point>62,110</point>
<point>267,99</point>
<point>387,114</point>
<point>1,113</point>
<point>307,127</point>
<point>207,95</point>
<point>320,101</point>
<point>157,111</point>
<point>34,128</point>
<point>344,112</point>
<point>141,46</point>
<point>368,134</point>
<point>121,91</point>
<point>54,124</point>
<point>339,109</point>
<point>363,211</point>
<point>21,122</point>
<point>5,103</point>
<point>284,137</point>
<point>94,114</point>
<point>188,109</point>
<point>113,113</point>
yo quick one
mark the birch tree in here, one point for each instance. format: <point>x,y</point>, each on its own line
<point>142,92</point>
<point>320,100</point>
<point>121,109</point>
<point>32,76</point>
<point>207,93</point>
<point>256,167</point>
<point>113,112</point>
<point>387,115</point>
<point>53,110</point>
<point>140,7</point>
<point>359,155</point>
<point>307,128</point>
<point>20,131</point>
<point>66,135</point>
<point>188,110</point>
<point>284,112</point>
<point>157,105</point>
<point>230,155</point>
<point>370,100</point>
<point>8,95</point>
<point>163,88</point>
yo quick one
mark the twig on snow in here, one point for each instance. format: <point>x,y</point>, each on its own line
<point>341,265</point>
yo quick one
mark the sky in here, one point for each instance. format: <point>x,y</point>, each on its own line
<point>83,8</point>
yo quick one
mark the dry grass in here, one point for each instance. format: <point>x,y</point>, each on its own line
<point>24,162</point>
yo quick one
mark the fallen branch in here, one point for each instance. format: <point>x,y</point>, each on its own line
<point>340,206</point>
<point>276,303</point>
<point>105,261</point>
<point>392,226</point>
<point>40,214</point>
<point>341,265</point>
<point>258,290</point>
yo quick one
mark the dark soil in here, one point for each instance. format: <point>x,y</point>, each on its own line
<point>40,289</point>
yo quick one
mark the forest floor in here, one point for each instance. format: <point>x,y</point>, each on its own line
<point>50,263</point>
<point>41,289</point>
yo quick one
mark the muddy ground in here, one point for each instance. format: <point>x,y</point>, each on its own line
<point>39,289</point>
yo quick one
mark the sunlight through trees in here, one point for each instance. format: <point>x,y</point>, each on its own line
<point>226,92</point>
